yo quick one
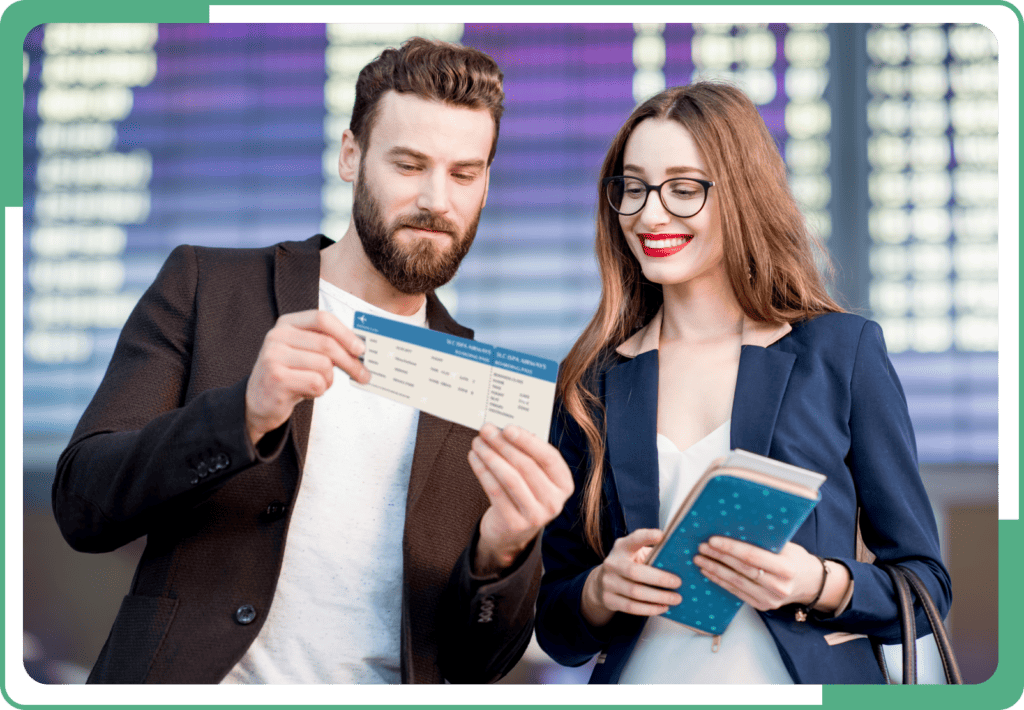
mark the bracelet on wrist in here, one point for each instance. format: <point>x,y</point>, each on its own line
<point>803,609</point>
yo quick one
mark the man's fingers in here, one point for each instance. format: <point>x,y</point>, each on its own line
<point>273,402</point>
<point>296,362</point>
<point>328,324</point>
<point>355,369</point>
<point>313,341</point>
<point>536,482</point>
<point>285,360</point>
<point>309,384</point>
<point>546,456</point>
<point>511,481</point>
<point>495,492</point>
<point>545,489</point>
<point>318,331</point>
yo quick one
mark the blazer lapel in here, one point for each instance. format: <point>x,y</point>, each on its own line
<point>431,432</point>
<point>297,288</point>
<point>632,409</point>
<point>760,385</point>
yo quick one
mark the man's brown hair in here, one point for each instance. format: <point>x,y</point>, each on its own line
<point>434,70</point>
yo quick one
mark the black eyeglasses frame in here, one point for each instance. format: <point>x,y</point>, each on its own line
<point>706,184</point>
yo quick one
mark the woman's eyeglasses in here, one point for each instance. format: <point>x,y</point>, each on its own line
<point>682,197</point>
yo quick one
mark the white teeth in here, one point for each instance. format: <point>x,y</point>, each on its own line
<point>666,243</point>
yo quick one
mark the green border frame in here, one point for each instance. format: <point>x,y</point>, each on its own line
<point>1001,691</point>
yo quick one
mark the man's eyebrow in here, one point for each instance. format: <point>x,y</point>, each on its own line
<point>404,152</point>
<point>400,152</point>
<point>470,164</point>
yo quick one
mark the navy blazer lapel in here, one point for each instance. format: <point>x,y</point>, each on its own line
<point>297,288</point>
<point>631,399</point>
<point>760,385</point>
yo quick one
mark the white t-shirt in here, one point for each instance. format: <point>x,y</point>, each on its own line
<point>667,652</point>
<point>336,615</point>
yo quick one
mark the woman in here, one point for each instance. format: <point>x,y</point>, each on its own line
<point>715,331</point>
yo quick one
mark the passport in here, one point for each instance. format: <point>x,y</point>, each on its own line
<point>746,497</point>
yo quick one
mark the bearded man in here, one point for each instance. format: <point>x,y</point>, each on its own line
<point>223,430</point>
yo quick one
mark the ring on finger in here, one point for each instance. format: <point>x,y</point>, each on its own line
<point>760,573</point>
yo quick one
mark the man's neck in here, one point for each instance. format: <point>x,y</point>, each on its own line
<point>345,265</point>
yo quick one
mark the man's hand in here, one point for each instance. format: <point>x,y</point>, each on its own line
<point>527,482</point>
<point>297,362</point>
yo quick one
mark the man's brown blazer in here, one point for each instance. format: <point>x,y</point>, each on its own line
<point>162,451</point>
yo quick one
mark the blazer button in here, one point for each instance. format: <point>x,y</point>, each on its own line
<point>486,610</point>
<point>202,469</point>
<point>274,511</point>
<point>245,614</point>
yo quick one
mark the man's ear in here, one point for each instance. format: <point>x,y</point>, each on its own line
<point>348,159</point>
<point>487,185</point>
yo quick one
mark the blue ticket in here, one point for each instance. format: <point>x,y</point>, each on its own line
<point>464,381</point>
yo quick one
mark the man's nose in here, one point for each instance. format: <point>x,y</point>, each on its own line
<point>435,195</point>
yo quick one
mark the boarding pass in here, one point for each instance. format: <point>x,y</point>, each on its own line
<point>461,380</point>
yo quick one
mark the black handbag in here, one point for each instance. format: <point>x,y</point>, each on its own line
<point>908,585</point>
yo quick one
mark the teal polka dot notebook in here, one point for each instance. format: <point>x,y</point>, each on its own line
<point>739,504</point>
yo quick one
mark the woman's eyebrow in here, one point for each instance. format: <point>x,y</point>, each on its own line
<point>676,170</point>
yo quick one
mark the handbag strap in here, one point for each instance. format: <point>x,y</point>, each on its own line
<point>908,623</point>
<point>949,664</point>
<point>902,579</point>
<point>905,580</point>
<point>880,658</point>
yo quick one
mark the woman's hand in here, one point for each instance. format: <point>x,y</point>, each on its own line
<point>624,582</point>
<point>766,580</point>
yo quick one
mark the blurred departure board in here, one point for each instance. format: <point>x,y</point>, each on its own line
<point>138,138</point>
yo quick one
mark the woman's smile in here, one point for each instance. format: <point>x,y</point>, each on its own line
<point>659,245</point>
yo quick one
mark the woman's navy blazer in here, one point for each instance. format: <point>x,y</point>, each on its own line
<point>825,397</point>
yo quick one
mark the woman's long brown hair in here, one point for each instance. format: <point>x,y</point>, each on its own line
<point>769,253</point>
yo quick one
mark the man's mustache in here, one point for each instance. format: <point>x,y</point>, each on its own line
<point>427,220</point>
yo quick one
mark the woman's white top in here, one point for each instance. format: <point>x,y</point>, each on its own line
<point>668,652</point>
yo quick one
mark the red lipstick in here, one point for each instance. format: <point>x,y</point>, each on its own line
<point>659,245</point>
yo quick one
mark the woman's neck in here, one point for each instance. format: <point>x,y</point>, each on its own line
<point>704,311</point>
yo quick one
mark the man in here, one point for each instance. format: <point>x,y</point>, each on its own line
<point>223,396</point>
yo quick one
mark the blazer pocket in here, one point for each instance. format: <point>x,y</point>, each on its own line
<point>139,629</point>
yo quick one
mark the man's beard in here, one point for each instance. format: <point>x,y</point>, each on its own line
<point>418,268</point>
